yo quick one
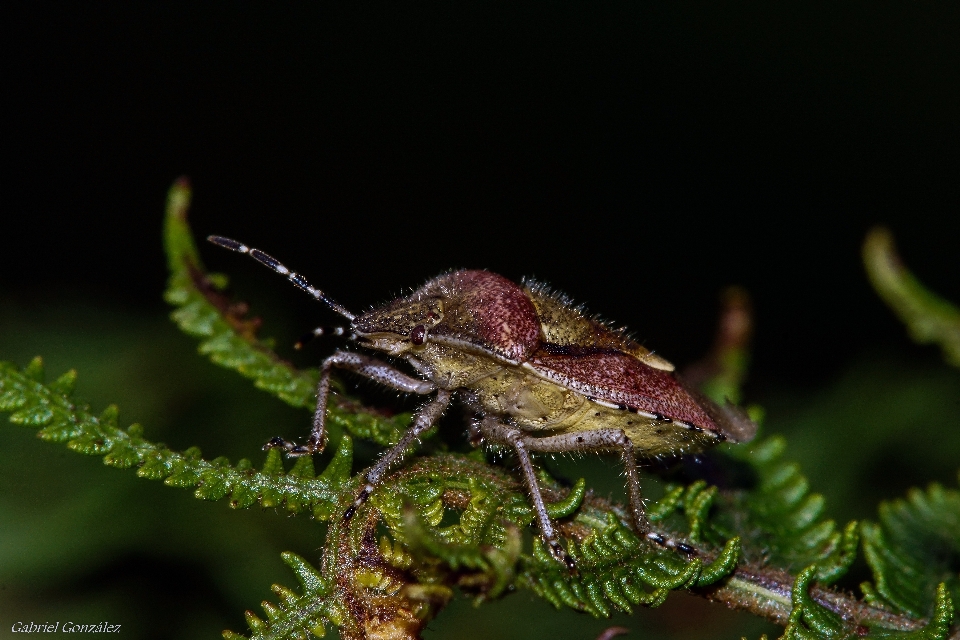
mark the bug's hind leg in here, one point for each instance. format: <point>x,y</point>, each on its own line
<point>600,440</point>
<point>611,440</point>
<point>364,365</point>
<point>425,418</point>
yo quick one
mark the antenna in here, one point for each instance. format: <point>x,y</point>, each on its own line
<point>277,266</point>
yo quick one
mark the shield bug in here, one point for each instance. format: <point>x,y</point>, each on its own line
<point>539,374</point>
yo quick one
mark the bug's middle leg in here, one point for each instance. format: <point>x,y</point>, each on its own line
<point>371,368</point>
<point>497,432</point>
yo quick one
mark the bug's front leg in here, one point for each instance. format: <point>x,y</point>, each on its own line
<point>364,365</point>
<point>425,418</point>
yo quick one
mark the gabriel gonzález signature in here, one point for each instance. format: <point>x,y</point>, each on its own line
<point>68,627</point>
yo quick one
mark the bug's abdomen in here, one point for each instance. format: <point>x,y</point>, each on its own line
<point>531,402</point>
<point>650,436</point>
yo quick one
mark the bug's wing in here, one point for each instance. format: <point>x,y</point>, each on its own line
<point>563,323</point>
<point>620,379</point>
<point>584,355</point>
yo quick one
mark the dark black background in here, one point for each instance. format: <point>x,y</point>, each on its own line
<point>638,156</point>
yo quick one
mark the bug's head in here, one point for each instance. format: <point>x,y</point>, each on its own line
<point>400,326</point>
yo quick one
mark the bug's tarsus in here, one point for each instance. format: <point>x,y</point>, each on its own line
<point>303,450</point>
<point>348,514</point>
<point>278,443</point>
<point>474,432</point>
<point>361,498</point>
<point>657,538</point>
<point>292,449</point>
<point>559,553</point>
<point>276,265</point>
<point>670,543</point>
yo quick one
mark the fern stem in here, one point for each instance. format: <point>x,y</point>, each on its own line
<point>767,593</point>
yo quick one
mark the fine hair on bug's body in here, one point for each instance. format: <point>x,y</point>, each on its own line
<point>539,374</point>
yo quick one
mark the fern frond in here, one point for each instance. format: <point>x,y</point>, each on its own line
<point>778,519</point>
<point>783,518</point>
<point>616,570</point>
<point>810,620</point>
<point>59,419</point>
<point>914,548</point>
<point>929,318</point>
<point>298,615</point>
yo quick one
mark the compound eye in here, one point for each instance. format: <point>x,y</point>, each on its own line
<point>418,334</point>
